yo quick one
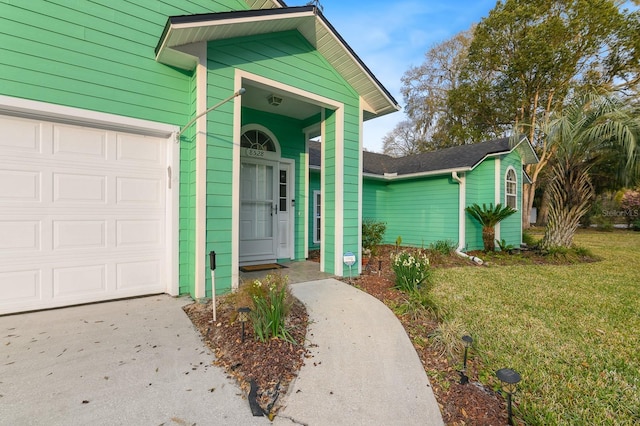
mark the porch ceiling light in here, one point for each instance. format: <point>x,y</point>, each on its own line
<point>510,380</point>
<point>274,100</point>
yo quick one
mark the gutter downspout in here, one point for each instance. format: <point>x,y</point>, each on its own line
<point>461,219</point>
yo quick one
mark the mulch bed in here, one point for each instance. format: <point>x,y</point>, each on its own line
<point>275,363</point>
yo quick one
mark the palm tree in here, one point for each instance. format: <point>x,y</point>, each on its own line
<point>582,135</point>
<point>488,219</point>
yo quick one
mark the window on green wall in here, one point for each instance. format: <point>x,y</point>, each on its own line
<point>511,185</point>
<point>316,217</point>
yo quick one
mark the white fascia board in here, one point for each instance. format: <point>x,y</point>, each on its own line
<point>251,20</point>
<point>416,175</point>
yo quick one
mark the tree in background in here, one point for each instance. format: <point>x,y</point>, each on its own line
<point>521,63</point>
<point>425,90</point>
<point>405,139</point>
<point>527,58</point>
<point>580,137</point>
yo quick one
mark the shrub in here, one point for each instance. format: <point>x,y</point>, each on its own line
<point>271,304</point>
<point>418,305</point>
<point>582,251</point>
<point>529,239</point>
<point>444,247</point>
<point>446,338</point>
<point>372,234</point>
<point>636,225</point>
<point>630,205</point>
<point>412,270</point>
<point>504,246</point>
<point>604,223</point>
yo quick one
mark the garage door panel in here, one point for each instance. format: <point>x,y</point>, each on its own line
<point>20,286</point>
<point>79,188</point>
<point>20,135</point>
<point>139,149</point>
<point>78,280</point>
<point>19,185</point>
<point>19,235</point>
<point>79,234</point>
<point>137,191</point>
<point>72,141</point>
<point>137,233</point>
<point>140,274</point>
<point>82,214</point>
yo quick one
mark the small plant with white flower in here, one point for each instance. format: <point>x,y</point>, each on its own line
<point>412,270</point>
<point>271,305</point>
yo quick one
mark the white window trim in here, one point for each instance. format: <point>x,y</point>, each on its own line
<point>506,186</point>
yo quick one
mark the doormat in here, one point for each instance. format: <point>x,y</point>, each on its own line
<point>263,267</point>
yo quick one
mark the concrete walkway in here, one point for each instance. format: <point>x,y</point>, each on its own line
<point>364,369</point>
<point>140,361</point>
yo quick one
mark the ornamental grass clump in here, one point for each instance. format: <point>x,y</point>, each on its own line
<point>412,270</point>
<point>271,305</point>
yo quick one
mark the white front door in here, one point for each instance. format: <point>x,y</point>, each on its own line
<point>259,206</point>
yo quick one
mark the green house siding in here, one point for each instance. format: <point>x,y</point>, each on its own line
<point>511,227</point>
<point>187,226</point>
<point>418,210</point>
<point>374,199</point>
<point>480,189</point>
<point>351,180</point>
<point>96,55</point>
<point>314,185</point>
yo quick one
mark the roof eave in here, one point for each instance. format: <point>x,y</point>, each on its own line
<point>182,31</point>
<point>418,175</point>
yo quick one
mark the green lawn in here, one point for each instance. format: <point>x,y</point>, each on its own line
<point>572,331</point>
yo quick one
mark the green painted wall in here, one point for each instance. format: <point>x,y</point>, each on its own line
<point>480,189</point>
<point>425,210</point>
<point>351,181</point>
<point>187,226</point>
<point>97,55</point>
<point>418,210</point>
<point>288,58</point>
<point>511,227</point>
<point>314,185</point>
<point>481,185</point>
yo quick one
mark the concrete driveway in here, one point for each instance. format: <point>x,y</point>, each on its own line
<point>131,362</point>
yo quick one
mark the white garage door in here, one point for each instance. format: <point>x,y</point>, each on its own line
<point>82,214</point>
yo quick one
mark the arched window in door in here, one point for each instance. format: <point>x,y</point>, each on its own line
<point>258,140</point>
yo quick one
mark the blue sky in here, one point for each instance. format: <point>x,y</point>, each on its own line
<point>391,36</point>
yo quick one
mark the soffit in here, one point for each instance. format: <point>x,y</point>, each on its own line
<point>182,31</point>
